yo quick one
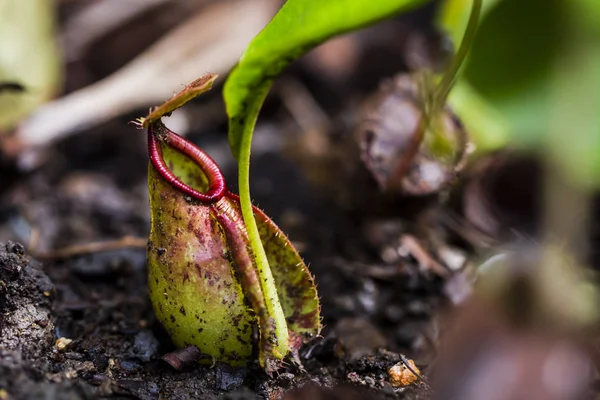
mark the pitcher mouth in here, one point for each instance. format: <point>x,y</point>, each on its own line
<point>157,133</point>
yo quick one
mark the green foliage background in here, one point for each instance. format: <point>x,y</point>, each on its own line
<point>533,80</point>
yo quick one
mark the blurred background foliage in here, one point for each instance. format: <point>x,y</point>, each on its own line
<point>532,80</point>
<point>29,57</point>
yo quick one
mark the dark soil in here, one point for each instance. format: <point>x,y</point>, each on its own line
<point>100,302</point>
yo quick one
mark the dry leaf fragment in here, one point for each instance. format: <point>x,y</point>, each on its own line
<point>212,39</point>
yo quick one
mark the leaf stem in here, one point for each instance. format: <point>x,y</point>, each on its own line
<point>281,347</point>
<point>450,76</point>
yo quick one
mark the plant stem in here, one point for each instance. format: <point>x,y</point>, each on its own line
<point>269,289</point>
<point>450,76</point>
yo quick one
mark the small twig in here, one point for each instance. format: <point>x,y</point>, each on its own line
<point>34,238</point>
<point>93,247</point>
<point>424,259</point>
<point>466,230</point>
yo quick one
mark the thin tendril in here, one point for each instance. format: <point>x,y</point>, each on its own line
<point>432,104</point>
<point>450,76</point>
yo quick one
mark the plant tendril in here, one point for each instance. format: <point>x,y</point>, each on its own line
<point>451,74</point>
<point>431,105</point>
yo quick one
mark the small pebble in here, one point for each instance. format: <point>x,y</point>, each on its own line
<point>145,345</point>
<point>70,355</point>
<point>401,376</point>
<point>15,248</point>
<point>228,378</point>
<point>353,377</point>
<point>62,343</point>
<point>128,366</point>
<point>98,379</point>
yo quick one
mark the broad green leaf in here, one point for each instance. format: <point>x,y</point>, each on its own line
<point>515,49</point>
<point>574,120</point>
<point>588,14</point>
<point>28,57</point>
<point>502,96</point>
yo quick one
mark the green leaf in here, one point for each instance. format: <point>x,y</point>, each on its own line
<point>485,125</point>
<point>573,123</point>
<point>531,80</point>
<point>515,48</point>
<point>588,14</point>
<point>502,96</point>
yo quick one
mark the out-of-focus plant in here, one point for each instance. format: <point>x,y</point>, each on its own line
<point>409,140</point>
<point>533,308</point>
<point>29,60</point>
<point>532,80</point>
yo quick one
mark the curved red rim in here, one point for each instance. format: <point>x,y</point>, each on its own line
<point>216,180</point>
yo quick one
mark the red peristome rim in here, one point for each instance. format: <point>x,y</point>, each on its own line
<point>216,180</point>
